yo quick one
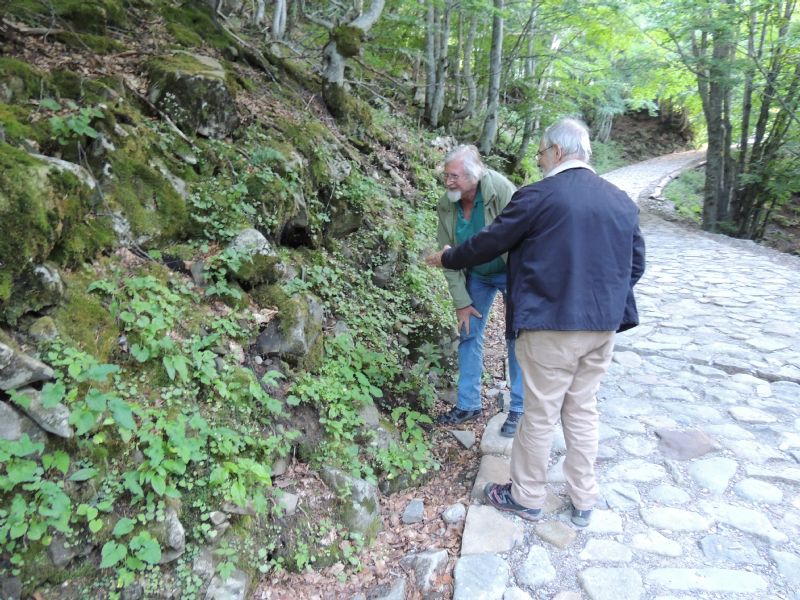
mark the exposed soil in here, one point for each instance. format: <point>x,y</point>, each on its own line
<point>641,136</point>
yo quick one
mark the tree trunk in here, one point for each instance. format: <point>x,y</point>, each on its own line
<point>279,20</point>
<point>493,98</point>
<point>457,99</point>
<point>530,74</point>
<point>344,42</point>
<point>466,72</point>
<point>430,58</point>
<point>441,68</point>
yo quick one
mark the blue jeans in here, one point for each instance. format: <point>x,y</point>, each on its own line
<point>470,347</point>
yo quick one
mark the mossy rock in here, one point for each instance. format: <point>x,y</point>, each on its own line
<point>39,207</point>
<point>83,320</point>
<point>272,295</point>
<point>193,90</point>
<point>260,269</point>
<point>193,24</point>
<point>92,17</point>
<point>36,288</point>
<point>14,121</point>
<point>18,81</point>
<point>152,207</point>
<point>279,200</point>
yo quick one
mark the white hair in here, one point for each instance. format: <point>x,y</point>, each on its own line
<point>473,165</point>
<point>572,136</point>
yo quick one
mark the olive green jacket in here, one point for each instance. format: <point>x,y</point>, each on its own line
<point>496,191</point>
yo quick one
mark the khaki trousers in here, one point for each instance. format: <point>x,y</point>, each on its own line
<point>561,373</point>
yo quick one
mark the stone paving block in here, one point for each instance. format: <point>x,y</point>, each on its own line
<point>636,470</point>
<point>557,533</point>
<point>708,580</point>
<point>536,570</point>
<point>491,441</point>
<point>611,584</point>
<point>675,519</point>
<point>480,577</point>
<point>655,543</point>
<point>744,519</point>
<point>493,469</point>
<point>713,474</point>
<point>489,531</point>
<point>465,438</point>
<point>606,550</point>
<point>720,548</point>
<point>775,472</point>
<point>603,521</point>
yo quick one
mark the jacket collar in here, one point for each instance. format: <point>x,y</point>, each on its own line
<point>569,164</point>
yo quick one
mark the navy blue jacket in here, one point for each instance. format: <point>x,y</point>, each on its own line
<point>575,253</point>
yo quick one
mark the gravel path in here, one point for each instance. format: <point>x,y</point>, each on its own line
<point>700,439</point>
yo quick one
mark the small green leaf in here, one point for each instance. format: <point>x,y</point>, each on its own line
<point>123,527</point>
<point>52,394</point>
<point>18,530</point>
<point>100,373</point>
<point>83,474</point>
<point>83,420</point>
<point>169,366</point>
<point>95,525</point>
<point>58,460</point>
<point>96,400</point>
<point>112,553</point>
<point>158,483</point>
<point>146,548</point>
<point>49,104</point>
<point>121,411</point>
<point>20,399</point>
<point>140,353</point>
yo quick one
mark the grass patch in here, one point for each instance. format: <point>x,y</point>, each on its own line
<point>607,156</point>
<point>686,194</point>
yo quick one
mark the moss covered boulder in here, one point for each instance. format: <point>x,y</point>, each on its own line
<point>359,505</point>
<point>192,90</point>
<point>296,334</point>
<point>41,208</point>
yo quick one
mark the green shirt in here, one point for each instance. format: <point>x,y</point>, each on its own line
<point>466,229</point>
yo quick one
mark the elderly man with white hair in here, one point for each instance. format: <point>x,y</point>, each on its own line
<point>474,196</point>
<point>574,254</point>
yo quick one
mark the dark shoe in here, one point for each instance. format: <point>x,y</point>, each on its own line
<point>499,496</point>
<point>509,428</point>
<point>581,518</point>
<point>455,416</point>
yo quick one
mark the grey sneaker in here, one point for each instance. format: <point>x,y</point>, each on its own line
<point>499,496</point>
<point>581,518</point>
<point>509,428</point>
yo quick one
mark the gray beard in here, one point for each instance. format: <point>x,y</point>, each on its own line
<point>454,195</point>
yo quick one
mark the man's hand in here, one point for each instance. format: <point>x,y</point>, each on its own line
<point>435,260</point>
<point>463,315</point>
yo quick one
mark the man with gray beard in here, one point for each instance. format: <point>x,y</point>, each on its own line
<point>474,196</point>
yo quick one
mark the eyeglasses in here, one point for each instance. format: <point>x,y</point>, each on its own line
<point>451,176</point>
<point>542,151</point>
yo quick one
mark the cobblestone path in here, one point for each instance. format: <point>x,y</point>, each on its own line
<point>700,440</point>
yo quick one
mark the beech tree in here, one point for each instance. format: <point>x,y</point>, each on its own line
<point>347,26</point>
<point>745,58</point>
<point>493,96</point>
